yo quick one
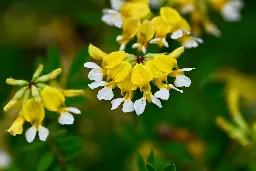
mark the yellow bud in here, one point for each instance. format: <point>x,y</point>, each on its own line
<point>14,82</point>
<point>52,75</point>
<point>73,93</point>
<point>9,105</point>
<point>17,126</point>
<point>177,52</point>
<point>38,71</point>
<point>33,112</point>
<point>96,53</point>
<point>35,94</point>
<point>52,98</point>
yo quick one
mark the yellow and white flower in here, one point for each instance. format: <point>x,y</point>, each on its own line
<point>129,73</point>
<point>190,41</point>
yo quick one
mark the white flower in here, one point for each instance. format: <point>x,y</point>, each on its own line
<point>140,105</point>
<point>31,133</point>
<point>159,40</point>
<point>127,106</point>
<point>105,93</point>
<point>182,80</point>
<point>231,10</point>
<point>193,42</point>
<point>66,118</point>
<point>5,159</point>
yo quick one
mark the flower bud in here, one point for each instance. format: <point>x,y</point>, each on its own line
<point>73,93</point>
<point>38,72</point>
<point>14,82</point>
<point>177,52</point>
<point>17,126</point>
<point>9,105</point>
<point>52,75</point>
<point>35,94</point>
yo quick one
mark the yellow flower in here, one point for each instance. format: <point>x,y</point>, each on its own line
<point>53,100</point>
<point>134,9</point>
<point>34,113</point>
<point>17,126</point>
<point>162,29</point>
<point>130,27</point>
<point>141,76</point>
<point>113,59</point>
<point>145,33</point>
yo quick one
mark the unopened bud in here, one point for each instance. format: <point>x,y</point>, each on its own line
<point>73,93</point>
<point>9,105</point>
<point>14,82</point>
<point>38,72</point>
<point>52,75</point>
<point>26,96</point>
<point>239,120</point>
<point>19,94</point>
<point>35,94</point>
<point>177,52</point>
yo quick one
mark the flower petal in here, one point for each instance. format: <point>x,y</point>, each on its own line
<point>177,34</point>
<point>139,106</point>
<point>30,134</point>
<point>5,159</point>
<point>73,110</point>
<point>43,133</point>
<point>156,101</point>
<point>105,94</point>
<point>96,75</point>
<point>66,119</point>
<point>116,103</point>
<point>182,81</point>
<point>163,94</point>
<point>97,84</point>
<point>91,65</point>
<point>128,106</point>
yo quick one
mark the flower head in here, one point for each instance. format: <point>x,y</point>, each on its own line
<point>130,73</point>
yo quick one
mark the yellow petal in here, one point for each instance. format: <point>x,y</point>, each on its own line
<point>126,85</point>
<point>113,59</point>
<point>73,93</point>
<point>155,73</point>
<point>177,52</point>
<point>140,76</point>
<point>133,9</point>
<point>17,126</point>
<point>52,98</point>
<point>184,24</point>
<point>170,15</point>
<point>96,53</point>
<point>120,72</point>
<point>164,63</point>
<point>130,27</point>
<point>161,27</point>
<point>145,31</point>
<point>33,112</point>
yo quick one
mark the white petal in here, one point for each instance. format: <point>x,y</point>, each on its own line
<point>154,3</point>
<point>116,103</point>
<point>156,101</point>
<point>177,34</point>
<point>139,106</point>
<point>112,18</point>
<point>96,75</point>
<point>155,40</point>
<point>116,4</point>
<point>5,159</point>
<point>97,84</point>
<point>186,69</point>
<point>188,8</point>
<point>199,40</point>
<point>73,110</point>
<point>144,50</point>
<point>43,133</point>
<point>165,43</point>
<point>105,94</point>
<point>190,44</point>
<point>186,31</point>
<point>163,94</point>
<point>91,65</point>
<point>128,106</point>
<point>122,47</point>
<point>135,45</point>
<point>30,134</point>
<point>173,87</point>
<point>182,81</point>
<point>66,119</point>
<point>231,12</point>
<point>118,38</point>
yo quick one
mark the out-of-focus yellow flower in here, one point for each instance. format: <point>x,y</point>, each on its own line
<point>129,31</point>
<point>145,33</point>
<point>128,73</point>
<point>134,9</point>
<point>36,95</point>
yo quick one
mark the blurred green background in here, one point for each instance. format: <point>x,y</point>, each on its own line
<point>57,34</point>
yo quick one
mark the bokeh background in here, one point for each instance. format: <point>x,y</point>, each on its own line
<point>57,33</point>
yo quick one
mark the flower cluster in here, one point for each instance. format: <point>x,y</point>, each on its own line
<point>32,99</point>
<point>136,19</point>
<point>128,73</point>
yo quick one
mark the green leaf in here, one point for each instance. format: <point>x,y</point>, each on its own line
<point>45,162</point>
<point>150,158</point>
<point>150,167</point>
<point>33,147</point>
<point>170,167</point>
<point>140,163</point>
